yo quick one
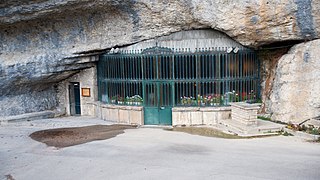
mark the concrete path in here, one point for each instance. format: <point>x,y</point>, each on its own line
<point>153,153</point>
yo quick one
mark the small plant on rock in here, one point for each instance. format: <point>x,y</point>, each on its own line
<point>287,134</point>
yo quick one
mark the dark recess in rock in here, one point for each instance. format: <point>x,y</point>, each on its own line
<point>280,44</point>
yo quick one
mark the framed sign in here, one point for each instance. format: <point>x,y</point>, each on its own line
<point>85,92</point>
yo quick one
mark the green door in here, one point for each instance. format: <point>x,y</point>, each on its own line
<point>74,98</point>
<point>158,103</point>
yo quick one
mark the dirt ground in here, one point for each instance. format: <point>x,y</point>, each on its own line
<point>211,132</point>
<point>64,137</point>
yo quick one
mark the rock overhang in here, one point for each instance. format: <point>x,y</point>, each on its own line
<point>40,36</point>
<point>251,23</point>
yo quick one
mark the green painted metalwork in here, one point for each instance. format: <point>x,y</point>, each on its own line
<point>158,103</point>
<point>206,77</point>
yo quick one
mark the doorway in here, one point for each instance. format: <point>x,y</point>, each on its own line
<point>158,103</point>
<point>74,99</point>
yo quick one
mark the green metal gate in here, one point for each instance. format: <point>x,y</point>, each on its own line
<point>158,86</point>
<point>158,103</point>
<point>159,78</point>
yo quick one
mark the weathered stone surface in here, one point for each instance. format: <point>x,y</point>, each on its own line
<point>41,40</point>
<point>295,92</point>
<point>30,101</point>
<point>270,59</point>
<point>252,22</point>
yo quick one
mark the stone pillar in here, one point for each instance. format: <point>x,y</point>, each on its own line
<point>245,113</point>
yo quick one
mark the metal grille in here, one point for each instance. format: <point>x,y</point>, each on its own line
<point>207,77</point>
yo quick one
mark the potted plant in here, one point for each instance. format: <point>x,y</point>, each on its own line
<point>120,100</point>
<point>113,99</point>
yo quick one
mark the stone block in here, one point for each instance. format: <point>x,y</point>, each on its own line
<point>113,115</point>
<point>103,113</point>
<point>181,118</point>
<point>124,116</point>
<point>196,118</point>
<point>136,117</point>
<point>209,118</point>
<point>185,118</point>
<point>245,113</point>
<point>175,118</point>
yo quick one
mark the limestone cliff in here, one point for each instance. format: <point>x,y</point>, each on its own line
<point>46,41</point>
<point>295,93</point>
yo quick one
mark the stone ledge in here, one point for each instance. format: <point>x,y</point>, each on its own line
<point>112,106</point>
<point>302,135</point>
<point>28,117</point>
<point>262,128</point>
<point>246,106</point>
<point>202,109</point>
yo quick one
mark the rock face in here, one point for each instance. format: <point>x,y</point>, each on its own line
<point>43,42</point>
<point>252,22</point>
<point>296,86</point>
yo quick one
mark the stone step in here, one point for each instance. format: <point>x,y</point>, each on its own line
<point>27,117</point>
<point>263,128</point>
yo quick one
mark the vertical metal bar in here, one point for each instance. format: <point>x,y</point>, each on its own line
<point>182,67</point>
<point>258,76</point>
<point>111,65</point>
<point>148,68</point>
<point>223,69</point>
<point>207,65</point>
<point>183,89</point>
<point>109,69</point>
<point>169,66</point>
<point>133,72</point>
<point>131,65</point>
<point>113,69</point>
<point>240,74</point>
<point>128,64</point>
<point>117,67</point>
<point>211,70</point>
<point>201,67</point>
<point>226,65</point>
<point>128,68</point>
<point>197,74</point>
<point>134,67</point>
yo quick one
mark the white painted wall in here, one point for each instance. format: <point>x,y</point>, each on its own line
<point>87,79</point>
<point>188,39</point>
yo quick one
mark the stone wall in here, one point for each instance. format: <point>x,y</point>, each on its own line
<point>199,116</point>
<point>120,114</point>
<point>180,115</point>
<point>87,79</point>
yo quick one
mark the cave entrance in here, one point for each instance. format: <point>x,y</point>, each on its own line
<point>199,68</point>
<point>74,99</point>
